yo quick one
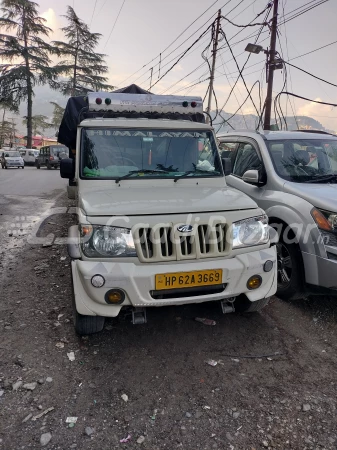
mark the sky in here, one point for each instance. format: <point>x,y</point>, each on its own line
<point>146,28</point>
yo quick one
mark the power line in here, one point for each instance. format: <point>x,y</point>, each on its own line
<point>307,99</point>
<point>93,12</point>
<point>311,74</point>
<point>312,51</point>
<point>113,26</point>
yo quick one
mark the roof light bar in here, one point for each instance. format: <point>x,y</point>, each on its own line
<point>143,103</point>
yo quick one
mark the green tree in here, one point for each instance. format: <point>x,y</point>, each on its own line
<point>39,124</point>
<point>57,115</point>
<point>25,54</point>
<point>85,69</point>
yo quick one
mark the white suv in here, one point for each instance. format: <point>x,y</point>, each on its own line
<point>293,177</point>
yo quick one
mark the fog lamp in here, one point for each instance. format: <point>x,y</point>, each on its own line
<point>254,282</point>
<point>268,265</point>
<point>114,296</point>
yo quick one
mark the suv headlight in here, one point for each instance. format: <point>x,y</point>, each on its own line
<point>106,241</point>
<point>249,232</point>
<point>327,224</point>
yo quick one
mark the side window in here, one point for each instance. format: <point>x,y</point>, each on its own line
<point>247,158</point>
<point>30,153</point>
<point>227,149</point>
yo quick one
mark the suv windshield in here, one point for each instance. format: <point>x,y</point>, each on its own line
<point>12,155</point>
<point>130,153</point>
<point>311,160</point>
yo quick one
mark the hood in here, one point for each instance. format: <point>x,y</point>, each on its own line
<point>322,196</point>
<point>163,200</point>
<point>13,158</point>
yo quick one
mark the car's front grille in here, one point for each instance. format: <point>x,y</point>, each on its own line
<point>166,243</point>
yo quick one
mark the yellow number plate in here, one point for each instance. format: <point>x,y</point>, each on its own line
<point>181,280</point>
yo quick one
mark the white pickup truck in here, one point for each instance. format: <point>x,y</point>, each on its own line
<point>157,224</point>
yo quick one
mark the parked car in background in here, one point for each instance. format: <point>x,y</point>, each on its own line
<point>11,158</point>
<point>29,155</point>
<point>51,155</point>
<point>293,177</point>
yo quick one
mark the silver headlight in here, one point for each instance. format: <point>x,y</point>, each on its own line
<point>106,241</point>
<point>249,232</point>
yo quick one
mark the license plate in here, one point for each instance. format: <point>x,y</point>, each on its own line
<point>180,280</point>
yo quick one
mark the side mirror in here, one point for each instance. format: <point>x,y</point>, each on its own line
<point>227,165</point>
<point>67,168</point>
<point>252,177</point>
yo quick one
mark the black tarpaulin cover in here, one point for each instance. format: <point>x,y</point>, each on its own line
<point>68,128</point>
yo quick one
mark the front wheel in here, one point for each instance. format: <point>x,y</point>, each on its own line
<point>22,167</point>
<point>289,271</point>
<point>37,165</point>
<point>6,166</point>
<point>48,165</point>
<point>243,305</point>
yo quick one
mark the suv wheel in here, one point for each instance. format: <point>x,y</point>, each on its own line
<point>243,305</point>
<point>289,272</point>
<point>37,165</point>
<point>85,325</point>
<point>48,165</point>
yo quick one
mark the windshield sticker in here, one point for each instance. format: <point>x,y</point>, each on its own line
<point>148,134</point>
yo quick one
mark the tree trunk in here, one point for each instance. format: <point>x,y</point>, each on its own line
<point>2,137</point>
<point>29,86</point>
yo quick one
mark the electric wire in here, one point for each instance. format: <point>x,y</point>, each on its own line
<point>113,26</point>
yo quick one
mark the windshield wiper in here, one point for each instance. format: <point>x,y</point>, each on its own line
<point>186,174</point>
<point>320,178</point>
<point>140,171</point>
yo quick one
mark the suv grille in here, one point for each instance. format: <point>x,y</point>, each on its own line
<point>166,243</point>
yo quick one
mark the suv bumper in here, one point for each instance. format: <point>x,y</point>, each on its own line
<point>320,272</point>
<point>137,281</point>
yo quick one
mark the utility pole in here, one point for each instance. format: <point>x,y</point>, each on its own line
<point>271,68</point>
<point>211,79</point>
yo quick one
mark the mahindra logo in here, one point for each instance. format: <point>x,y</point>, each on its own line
<point>185,228</point>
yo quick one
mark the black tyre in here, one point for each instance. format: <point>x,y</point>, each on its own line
<point>6,166</point>
<point>38,166</point>
<point>243,305</point>
<point>48,165</point>
<point>85,325</point>
<point>22,167</point>
<point>289,271</point>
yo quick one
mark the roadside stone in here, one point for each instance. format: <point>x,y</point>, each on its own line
<point>17,385</point>
<point>265,444</point>
<point>198,414</point>
<point>140,440</point>
<point>73,446</point>
<point>183,430</point>
<point>40,381</point>
<point>30,386</point>
<point>2,393</point>
<point>188,415</point>
<point>229,437</point>
<point>27,418</point>
<point>124,397</point>
<point>45,439</point>
<point>236,415</point>
<point>49,379</point>
<point>89,431</point>
<point>306,407</point>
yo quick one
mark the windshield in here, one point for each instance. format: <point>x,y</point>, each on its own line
<point>110,153</point>
<point>304,160</point>
<point>12,154</point>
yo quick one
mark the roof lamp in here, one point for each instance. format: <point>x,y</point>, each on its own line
<point>98,101</point>
<point>108,101</point>
<point>185,104</point>
<point>193,104</point>
<point>253,48</point>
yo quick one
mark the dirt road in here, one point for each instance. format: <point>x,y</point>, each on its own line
<point>274,386</point>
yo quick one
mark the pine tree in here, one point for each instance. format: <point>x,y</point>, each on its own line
<point>57,115</point>
<point>84,68</point>
<point>39,124</point>
<point>25,54</point>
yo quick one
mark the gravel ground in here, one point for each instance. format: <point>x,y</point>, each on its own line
<point>274,385</point>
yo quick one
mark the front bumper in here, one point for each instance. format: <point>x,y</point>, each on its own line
<point>320,272</point>
<point>137,281</point>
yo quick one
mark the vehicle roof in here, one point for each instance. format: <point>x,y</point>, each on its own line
<point>278,135</point>
<point>144,123</point>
